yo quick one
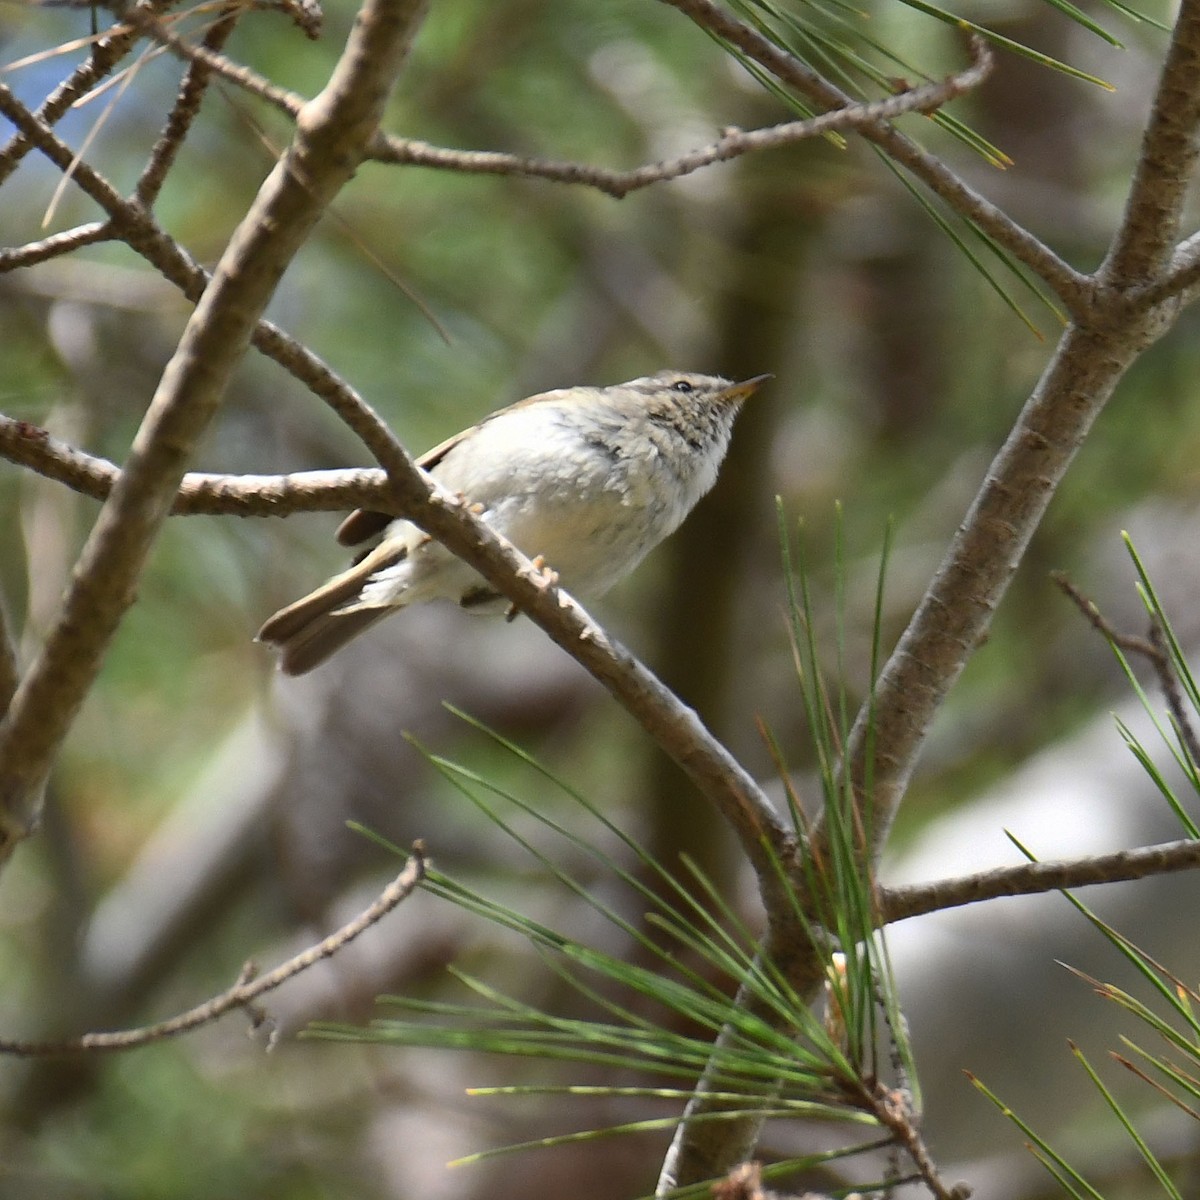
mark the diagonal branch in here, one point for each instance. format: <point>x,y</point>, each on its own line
<point>136,227</point>
<point>249,987</point>
<point>954,616</point>
<point>1142,250</point>
<point>331,137</point>
<point>207,56</point>
<point>718,776</point>
<point>1179,283</point>
<point>55,245</point>
<point>1072,287</point>
<point>184,111</point>
<point>106,53</point>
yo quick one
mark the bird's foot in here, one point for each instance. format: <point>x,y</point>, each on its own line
<point>543,575</point>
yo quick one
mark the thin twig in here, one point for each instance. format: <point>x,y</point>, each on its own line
<point>106,53</point>
<point>54,246</point>
<point>1031,879</point>
<point>1072,287</point>
<point>1090,610</point>
<point>732,144</point>
<point>185,109</point>
<point>1179,283</point>
<point>149,25</point>
<point>892,1107</point>
<point>249,987</point>
<point>1153,649</point>
<point>138,229</point>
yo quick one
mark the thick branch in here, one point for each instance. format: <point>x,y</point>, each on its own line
<point>249,987</point>
<point>331,136</point>
<point>1142,249</point>
<point>1030,879</point>
<point>956,612</point>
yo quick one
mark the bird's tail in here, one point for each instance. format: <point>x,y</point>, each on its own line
<point>308,631</point>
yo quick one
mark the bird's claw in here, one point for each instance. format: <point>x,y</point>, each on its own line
<point>543,575</point>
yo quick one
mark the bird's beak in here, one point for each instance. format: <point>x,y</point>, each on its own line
<point>739,391</point>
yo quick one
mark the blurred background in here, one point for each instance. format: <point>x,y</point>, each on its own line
<point>198,815</point>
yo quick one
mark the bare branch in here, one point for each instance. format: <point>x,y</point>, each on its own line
<point>956,611</point>
<point>249,986</point>
<point>331,136</point>
<point>185,110</point>
<point>732,144</point>
<point>209,57</point>
<point>52,247</point>
<point>893,1109</point>
<point>200,492</point>
<point>1142,249</point>
<point>106,53</point>
<point>1180,282</point>
<point>35,131</point>
<point>138,229</point>
<point>765,839</point>
<point>1153,649</point>
<point>1073,288</point>
<point>1031,879</point>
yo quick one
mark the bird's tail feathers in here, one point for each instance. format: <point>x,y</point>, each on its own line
<point>309,630</point>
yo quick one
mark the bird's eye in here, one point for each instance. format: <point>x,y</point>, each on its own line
<point>682,385</point>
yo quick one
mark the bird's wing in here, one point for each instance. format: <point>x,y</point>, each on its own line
<point>365,523</point>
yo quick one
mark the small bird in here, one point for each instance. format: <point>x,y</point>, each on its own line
<point>590,479</point>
